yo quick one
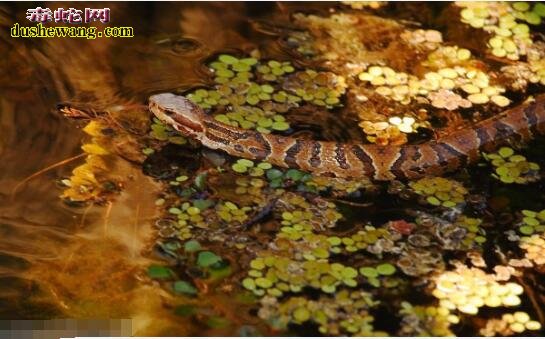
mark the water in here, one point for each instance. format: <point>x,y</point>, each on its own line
<point>63,261</point>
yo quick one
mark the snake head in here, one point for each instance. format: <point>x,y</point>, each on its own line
<point>178,112</point>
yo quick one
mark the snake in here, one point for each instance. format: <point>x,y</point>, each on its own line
<point>434,157</point>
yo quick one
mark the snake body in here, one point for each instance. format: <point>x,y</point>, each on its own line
<point>352,160</point>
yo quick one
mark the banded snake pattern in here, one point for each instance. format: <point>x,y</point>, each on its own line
<point>353,160</point>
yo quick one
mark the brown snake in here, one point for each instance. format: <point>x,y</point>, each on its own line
<point>353,160</point>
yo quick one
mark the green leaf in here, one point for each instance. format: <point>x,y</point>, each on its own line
<point>274,173</point>
<point>368,272</point>
<point>192,246</point>
<point>160,272</point>
<point>294,174</point>
<point>386,269</point>
<point>202,204</point>
<point>207,259</point>
<point>276,183</point>
<point>227,59</point>
<point>526,230</point>
<point>184,287</point>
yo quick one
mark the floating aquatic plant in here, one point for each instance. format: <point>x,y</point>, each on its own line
<point>468,289</point>
<point>512,168</point>
<point>532,222</point>
<point>508,24</point>
<point>421,320</point>
<point>345,313</point>
<point>440,191</point>
<point>510,324</point>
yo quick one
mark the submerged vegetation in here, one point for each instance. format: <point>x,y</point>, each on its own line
<point>314,254</point>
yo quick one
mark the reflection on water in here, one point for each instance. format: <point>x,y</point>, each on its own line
<point>59,261</point>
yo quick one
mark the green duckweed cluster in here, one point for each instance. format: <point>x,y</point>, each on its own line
<point>318,88</point>
<point>298,214</point>
<point>374,240</point>
<point>254,94</point>
<point>345,313</point>
<point>231,213</point>
<point>532,222</point>
<point>273,70</point>
<point>440,191</point>
<point>475,235</point>
<point>162,132</point>
<point>373,275</point>
<point>278,275</point>
<point>245,165</point>
<point>251,105</point>
<point>512,168</point>
<point>298,259</point>
<point>276,178</point>
<point>508,24</point>
<point>189,216</point>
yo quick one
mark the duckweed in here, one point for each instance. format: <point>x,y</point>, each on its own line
<point>468,289</point>
<point>345,313</point>
<point>440,191</point>
<point>162,132</point>
<point>507,23</point>
<point>532,222</point>
<point>281,274</point>
<point>475,234</point>
<point>252,105</point>
<point>512,168</point>
<point>184,287</point>
<point>437,86</point>
<point>371,239</point>
<point>304,253</point>
<point>425,321</point>
<point>534,248</point>
<point>510,324</point>
<point>230,212</point>
<point>273,70</point>
<point>319,88</point>
<point>392,132</point>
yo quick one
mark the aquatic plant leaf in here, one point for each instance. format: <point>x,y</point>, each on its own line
<point>192,246</point>
<point>184,287</point>
<point>160,272</point>
<point>202,204</point>
<point>207,259</point>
